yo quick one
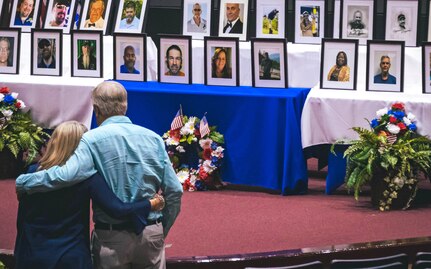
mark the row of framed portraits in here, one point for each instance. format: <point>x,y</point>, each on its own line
<point>384,68</point>
<point>221,57</point>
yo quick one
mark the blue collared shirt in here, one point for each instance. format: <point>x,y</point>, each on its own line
<point>131,158</point>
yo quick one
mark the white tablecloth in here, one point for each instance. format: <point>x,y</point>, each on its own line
<point>329,115</point>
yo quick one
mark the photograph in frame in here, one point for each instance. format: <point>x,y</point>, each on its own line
<point>385,66</point>
<point>357,20</point>
<point>221,66</point>
<point>269,63</point>
<point>402,21</point>
<point>233,19</point>
<point>197,18</point>
<point>309,21</point>
<point>130,52</point>
<point>130,16</point>
<point>175,54</point>
<point>60,15</point>
<point>86,54</point>
<point>46,52</point>
<point>338,65</point>
<point>426,67</point>
<point>95,15</point>
<point>24,14</point>
<point>270,19</point>
<point>10,40</point>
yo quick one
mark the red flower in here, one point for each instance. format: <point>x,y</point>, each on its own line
<point>402,126</point>
<point>202,174</point>
<point>392,119</point>
<point>197,133</point>
<point>186,185</point>
<point>398,106</point>
<point>4,90</point>
<point>18,105</point>
<point>175,134</point>
<point>206,155</point>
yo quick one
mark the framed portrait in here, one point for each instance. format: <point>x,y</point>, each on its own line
<point>402,21</point>
<point>309,21</point>
<point>60,15</point>
<point>197,18</point>
<point>338,65</point>
<point>86,54</point>
<point>270,18</point>
<point>130,61</point>
<point>385,66</point>
<point>357,20</point>
<point>77,17</point>
<point>24,14</point>
<point>269,63</point>
<point>10,40</point>
<point>175,59</point>
<point>233,19</point>
<point>426,67</point>
<point>131,16</point>
<point>46,52</point>
<point>221,65</point>
<point>95,15</point>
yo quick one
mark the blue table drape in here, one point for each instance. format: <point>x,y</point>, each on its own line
<point>261,127</point>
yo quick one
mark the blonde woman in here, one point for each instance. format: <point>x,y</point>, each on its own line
<point>53,227</point>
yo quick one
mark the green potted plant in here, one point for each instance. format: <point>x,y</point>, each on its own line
<point>391,157</point>
<point>18,133</point>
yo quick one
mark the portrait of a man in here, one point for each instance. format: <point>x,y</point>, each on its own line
<point>95,14</point>
<point>174,61</point>
<point>59,13</point>
<point>86,59</point>
<point>24,13</point>
<point>384,77</point>
<point>356,26</point>
<point>46,53</point>
<point>233,24</point>
<point>400,25</point>
<point>129,58</point>
<point>197,24</point>
<point>6,57</point>
<point>130,20</point>
<point>308,23</point>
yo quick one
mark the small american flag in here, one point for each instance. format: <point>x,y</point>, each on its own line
<point>391,139</point>
<point>204,129</point>
<point>177,122</point>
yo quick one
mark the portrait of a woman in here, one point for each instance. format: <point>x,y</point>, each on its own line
<point>340,71</point>
<point>220,64</point>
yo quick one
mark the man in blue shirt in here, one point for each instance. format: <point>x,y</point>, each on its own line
<point>23,15</point>
<point>130,21</point>
<point>134,163</point>
<point>129,58</point>
<point>384,77</point>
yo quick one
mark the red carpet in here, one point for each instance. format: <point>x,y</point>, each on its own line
<point>231,221</point>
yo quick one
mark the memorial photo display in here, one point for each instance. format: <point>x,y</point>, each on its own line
<point>197,18</point>
<point>233,19</point>
<point>24,14</point>
<point>131,16</point>
<point>86,54</point>
<point>9,50</point>
<point>357,20</point>
<point>402,21</point>
<point>175,59</point>
<point>130,57</point>
<point>95,15</point>
<point>60,15</point>
<point>309,21</point>
<point>46,52</point>
<point>270,18</point>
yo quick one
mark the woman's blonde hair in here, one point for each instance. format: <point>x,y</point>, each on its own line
<point>62,144</point>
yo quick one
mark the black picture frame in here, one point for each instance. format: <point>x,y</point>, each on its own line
<point>84,23</point>
<point>125,44</point>
<point>69,17</point>
<point>11,38</point>
<point>92,41</point>
<point>41,38</point>
<point>273,50</point>
<point>143,15</point>
<point>426,67</point>
<point>172,43</point>
<point>376,49</point>
<point>213,47</point>
<point>394,30</point>
<point>331,75</point>
<point>267,12</point>
<point>30,23</point>
<point>240,28</point>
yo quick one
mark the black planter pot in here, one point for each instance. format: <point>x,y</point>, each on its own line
<point>10,167</point>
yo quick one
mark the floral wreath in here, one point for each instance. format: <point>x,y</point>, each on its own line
<point>196,158</point>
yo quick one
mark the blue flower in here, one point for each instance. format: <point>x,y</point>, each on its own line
<point>200,186</point>
<point>390,112</point>
<point>8,99</point>
<point>374,123</point>
<point>214,145</point>
<point>399,114</point>
<point>214,161</point>
<point>412,127</point>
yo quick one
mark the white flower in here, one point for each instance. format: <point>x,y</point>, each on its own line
<point>1,97</point>
<point>22,104</point>
<point>406,121</point>
<point>189,127</point>
<point>180,149</point>
<point>193,179</point>
<point>7,113</point>
<point>392,128</point>
<point>205,143</point>
<point>381,112</point>
<point>183,175</point>
<point>218,152</point>
<point>169,141</point>
<point>208,167</point>
<point>14,95</point>
<point>411,117</point>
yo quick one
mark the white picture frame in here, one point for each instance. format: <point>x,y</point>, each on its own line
<point>68,17</point>
<point>398,28</point>
<point>138,21</point>
<point>31,21</point>
<point>312,14</point>
<point>240,28</point>
<point>190,27</point>
<point>84,23</point>
<point>270,13</point>
<point>358,20</point>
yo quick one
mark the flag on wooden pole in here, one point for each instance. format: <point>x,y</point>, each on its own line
<point>177,122</point>
<point>204,129</point>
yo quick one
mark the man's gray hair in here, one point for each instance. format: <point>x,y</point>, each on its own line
<point>110,98</point>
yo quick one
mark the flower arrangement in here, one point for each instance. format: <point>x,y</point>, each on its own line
<point>196,158</point>
<point>17,131</point>
<point>391,155</point>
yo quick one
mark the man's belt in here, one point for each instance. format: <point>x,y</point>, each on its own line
<point>122,226</point>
